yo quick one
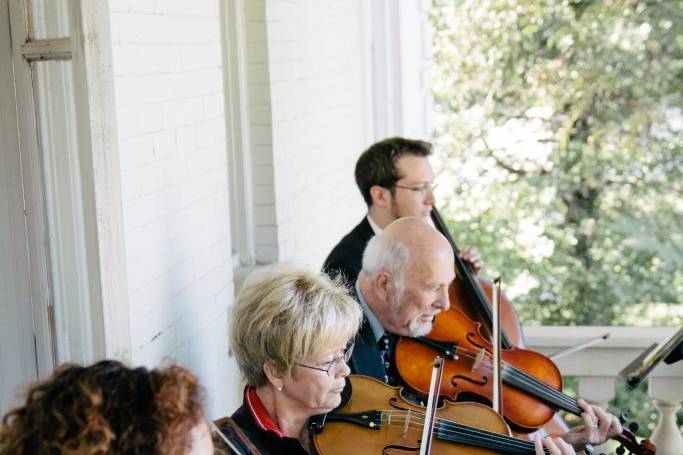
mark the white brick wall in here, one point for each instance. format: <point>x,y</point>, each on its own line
<point>309,105</point>
<point>170,108</point>
<point>306,64</point>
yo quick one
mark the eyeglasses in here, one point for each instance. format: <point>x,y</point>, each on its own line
<point>335,363</point>
<point>422,190</point>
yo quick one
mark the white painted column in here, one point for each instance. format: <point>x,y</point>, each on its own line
<point>401,68</point>
<point>667,394</point>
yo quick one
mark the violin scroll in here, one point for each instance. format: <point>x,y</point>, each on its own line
<point>628,441</point>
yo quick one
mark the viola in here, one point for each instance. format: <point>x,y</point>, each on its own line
<point>378,420</point>
<point>532,383</point>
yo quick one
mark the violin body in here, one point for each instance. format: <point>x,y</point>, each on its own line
<point>400,431</point>
<point>470,370</point>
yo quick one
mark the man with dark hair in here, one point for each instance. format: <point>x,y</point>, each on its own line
<point>396,180</point>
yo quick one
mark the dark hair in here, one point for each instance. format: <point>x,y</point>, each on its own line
<point>106,408</point>
<point>377,165</point>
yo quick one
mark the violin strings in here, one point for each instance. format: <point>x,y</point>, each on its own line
<point>475,438</point>
<point>524,380</point>
<point>454,428</point>
<point>552,394</point>
<point>509,441</point>
<point>459,431</point>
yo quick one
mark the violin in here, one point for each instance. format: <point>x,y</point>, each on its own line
<point>378,420</point>
<point>531,382</point>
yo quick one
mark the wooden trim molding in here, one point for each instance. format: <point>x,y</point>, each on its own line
<point>101,179</point>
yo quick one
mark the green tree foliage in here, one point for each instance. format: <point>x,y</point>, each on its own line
<point>560,133</point>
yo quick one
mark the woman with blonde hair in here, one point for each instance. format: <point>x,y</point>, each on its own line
<point>292,332</point>
<point>108,408</point>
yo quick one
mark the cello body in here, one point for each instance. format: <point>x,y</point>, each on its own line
<point>509,320</point>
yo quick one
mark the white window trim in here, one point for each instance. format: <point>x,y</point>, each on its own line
<point>34,203</point>
<point>105,332</point>
<point>237,129</point>
<point>385,59</point>
<point>101,178</point>
<point>18,349</point>
<point>399,66</point>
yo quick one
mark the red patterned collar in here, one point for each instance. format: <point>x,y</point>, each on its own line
<point>259,412</point>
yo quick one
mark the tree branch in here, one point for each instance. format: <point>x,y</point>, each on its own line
<point>499,161</point>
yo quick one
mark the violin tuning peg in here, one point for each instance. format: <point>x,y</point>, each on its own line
<point>623,417</point>
<point>620,450</point>
<point>633,426</point>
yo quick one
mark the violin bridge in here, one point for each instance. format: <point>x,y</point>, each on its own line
<point>477,361</point>
<point>406,425</point>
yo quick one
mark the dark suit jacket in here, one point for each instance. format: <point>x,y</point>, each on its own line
<point>347,257</point>
<point>366,355</point>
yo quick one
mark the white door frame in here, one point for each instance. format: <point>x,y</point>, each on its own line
<point>99,326</point>
<point>33,194</point>
<point>101,178</point>
<point>18,359</point>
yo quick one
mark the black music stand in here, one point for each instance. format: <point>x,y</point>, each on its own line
<point>670,350</point>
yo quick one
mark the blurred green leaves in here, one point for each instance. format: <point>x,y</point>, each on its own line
<point>560,145</point>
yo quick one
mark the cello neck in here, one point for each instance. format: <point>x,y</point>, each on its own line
<point>470,281</point>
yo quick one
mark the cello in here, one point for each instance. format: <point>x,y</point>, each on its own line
<point>472,295</point>
<point>532,384</point>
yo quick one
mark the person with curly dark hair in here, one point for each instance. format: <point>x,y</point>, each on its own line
<point>108,408</point>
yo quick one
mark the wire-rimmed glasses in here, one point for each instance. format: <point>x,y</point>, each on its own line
<point>335,363</point>
<point>422,190</point>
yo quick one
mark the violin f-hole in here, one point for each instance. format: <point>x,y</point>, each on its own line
<point>388,450</point>
<point>472,338</point>
<point>482,382</point>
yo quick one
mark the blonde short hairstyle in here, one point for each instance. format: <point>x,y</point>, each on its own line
<point>285,314</point>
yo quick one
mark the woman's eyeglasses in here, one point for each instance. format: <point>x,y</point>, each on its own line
<point>335,363</point>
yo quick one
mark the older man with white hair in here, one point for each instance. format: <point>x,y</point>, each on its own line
<point>402,286</point>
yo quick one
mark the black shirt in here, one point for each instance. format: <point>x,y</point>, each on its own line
<point>346,258</point>
<point>258,427</point>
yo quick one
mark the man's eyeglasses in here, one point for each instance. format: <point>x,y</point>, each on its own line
<point>422,190</point>
<point>335,363</point>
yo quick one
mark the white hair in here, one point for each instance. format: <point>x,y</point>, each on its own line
<point>386,254</point>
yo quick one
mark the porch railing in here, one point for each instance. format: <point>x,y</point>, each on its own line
<point>597,370</point>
